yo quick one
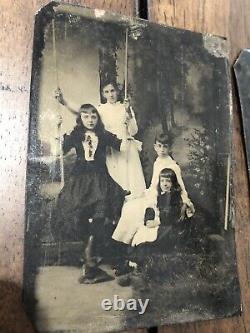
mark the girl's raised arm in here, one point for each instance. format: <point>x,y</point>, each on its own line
<point>59,96</point>
<point>132,124</point>
<point>131,120</point>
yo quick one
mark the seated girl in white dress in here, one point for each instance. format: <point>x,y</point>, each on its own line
<point>132,217</point>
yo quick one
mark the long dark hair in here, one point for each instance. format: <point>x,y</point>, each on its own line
<point>175,190</point>
<point>89,108</point>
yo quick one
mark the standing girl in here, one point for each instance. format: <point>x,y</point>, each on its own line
<point>124,167</point>
<point>90,196</point>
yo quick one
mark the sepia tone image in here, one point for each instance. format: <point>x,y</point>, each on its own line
<point>129,207</point>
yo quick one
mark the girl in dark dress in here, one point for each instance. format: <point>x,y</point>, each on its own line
<point>90,196</point>
<point>169,203</point>
<point>165,219</point>
<point>164,229</point>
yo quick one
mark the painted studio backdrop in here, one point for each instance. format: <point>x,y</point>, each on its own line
<point>177,85</point>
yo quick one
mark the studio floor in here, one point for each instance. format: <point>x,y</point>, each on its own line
<point>64,304</point>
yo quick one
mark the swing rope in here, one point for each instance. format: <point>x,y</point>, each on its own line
<point>59,127</point>
<point>125,97</point>
<point>54,52</point>
<point>126,67</point>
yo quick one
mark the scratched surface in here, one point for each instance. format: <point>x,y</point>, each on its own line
<point>225,17</point>
<point>242,73</point>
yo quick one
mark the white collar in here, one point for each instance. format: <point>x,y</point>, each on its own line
<point>163,159</point>
<point>90,133</point>
<point>162,192</point>
<point>89,151</point>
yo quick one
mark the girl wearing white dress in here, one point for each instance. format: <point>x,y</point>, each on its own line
<point>132,217</point>
<point>119,118</point>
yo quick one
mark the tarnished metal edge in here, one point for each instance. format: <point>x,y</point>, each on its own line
<point>216,46</point>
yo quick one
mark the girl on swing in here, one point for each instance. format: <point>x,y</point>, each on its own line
<point>90,195</point>
<point>119,118</point>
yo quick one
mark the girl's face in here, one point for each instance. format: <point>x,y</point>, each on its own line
<point>89,120</point>
<point>161,149</point>
<point>110,93</point>
<point>165,184</point>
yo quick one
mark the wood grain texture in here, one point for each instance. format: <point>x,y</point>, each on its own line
<point>230,19</point>
<point>210,16</point>
<point>16,38</point>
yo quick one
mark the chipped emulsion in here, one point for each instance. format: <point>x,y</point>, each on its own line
<point>99,13</point>
<point>216,46</point>
<point>82,11</point>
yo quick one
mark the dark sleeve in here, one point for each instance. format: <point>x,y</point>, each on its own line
<point>149,215</point>
<point>69,142</point>
<point>176,205</point>
<point>112,140</point>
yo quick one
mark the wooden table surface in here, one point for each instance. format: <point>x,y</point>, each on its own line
<point>229,18</point>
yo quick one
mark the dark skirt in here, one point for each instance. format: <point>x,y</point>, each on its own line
<point>90,195</point>
<point>171,238</point>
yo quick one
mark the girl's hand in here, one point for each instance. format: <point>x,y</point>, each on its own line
<point>126,104</point>
<point>59,97</point>
<point>191,209</point>
<point>59,120</point>
<point>183,213</point>
<point>152,223</point>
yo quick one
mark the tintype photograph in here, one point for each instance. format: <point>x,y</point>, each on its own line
<point>129,206</point>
